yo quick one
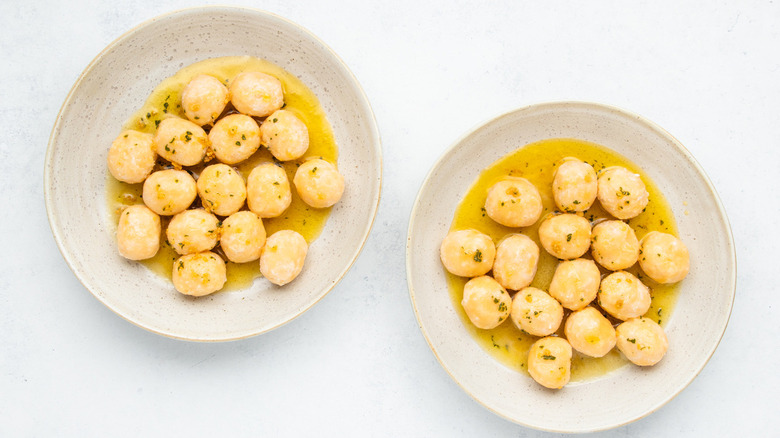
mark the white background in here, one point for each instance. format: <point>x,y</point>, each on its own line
<point>356,364</point>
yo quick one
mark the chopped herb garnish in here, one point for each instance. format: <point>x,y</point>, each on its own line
<point>548,357</point>
<point>568,237</point>
<point>478,256</point>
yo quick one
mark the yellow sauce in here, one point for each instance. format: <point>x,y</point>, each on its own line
<point>537,163</point>
<point>165,101</point>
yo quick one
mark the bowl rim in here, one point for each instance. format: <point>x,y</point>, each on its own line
<point>557,105</point>
<point>53,220</point>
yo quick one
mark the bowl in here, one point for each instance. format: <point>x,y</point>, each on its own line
<point>116,84</point>
<point>705,297</point>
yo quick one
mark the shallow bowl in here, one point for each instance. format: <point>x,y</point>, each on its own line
<point>705,297</point>
<point>116,83</point>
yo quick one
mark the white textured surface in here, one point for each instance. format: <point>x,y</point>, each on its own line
<point>357,364</point>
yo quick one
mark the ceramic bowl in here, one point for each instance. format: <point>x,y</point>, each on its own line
<point>704,301</point>
<point>116,84</point>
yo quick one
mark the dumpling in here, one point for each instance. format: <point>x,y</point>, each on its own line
<point>614,245</point>
<point>621,192</point>
<point>318,183</point>
<point>170,191</point>
<point>565,236</point>
<point>138,233</point>
<point>664,257</point>
<point>549,362</point>
<point>624,296</point>
<point>285,135</point>
<point>193,231</point>
<point>536,312</point>
<point>199,274</point>
<point>243,237</point>
<point>485,302</point>
<point>575,283</point>
<point>574,185</point>
<point>514,202</point>
<point>467,253</point>
<point>203,99</point>
<point>517,257</point>
<point>234,138</point>
<point>131,156</point>
<point>268,191</point>
<point>642,341</point>
<point>282,257</point>
<point>221,189</point>
<point>181,141</point>
<point>589,332</point>
<point>256,94</point>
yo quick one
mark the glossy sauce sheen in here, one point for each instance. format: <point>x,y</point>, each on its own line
<point>537,163</point>
<point>298,99</point>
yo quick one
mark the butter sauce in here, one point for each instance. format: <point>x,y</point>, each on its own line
<point>165,101</point>
<point>537,163</point>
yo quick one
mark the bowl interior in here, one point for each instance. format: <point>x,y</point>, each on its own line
<point>116,84</point>
<point>704,301</point>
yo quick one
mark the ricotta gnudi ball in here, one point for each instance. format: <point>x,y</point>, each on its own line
<point>565,236</point>
<point>234,138</point>
<point>268,192</point>
<point>467,253</point>
<point>318,183</point>
<point>131,156</point>
<point>589,332</point>
<point>549,362</point>
<point>575,283</point>
<point>170,191</point>
<point>614,245</point>
<point>624,296</point>
<point>536,312</point>
<point>138,233</point>
<point>514,202</point>
<point>642,341</point>
<point>663,257</point>
<point>193,231</point>
<point>203,99</point>
<point>181,141</point>
<point>221,189</point>
<point>256,94</point>
<point>621,192</point>
<point>285,135</point>
<point>517,258</point>
<point>282,257</point>
<point>575,185</point>
<point>199,274</point>
<point>485,302</point>
<point>243,237</point>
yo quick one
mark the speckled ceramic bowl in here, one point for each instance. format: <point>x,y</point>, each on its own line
<point>116,84</point>
<point>704,301</point>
